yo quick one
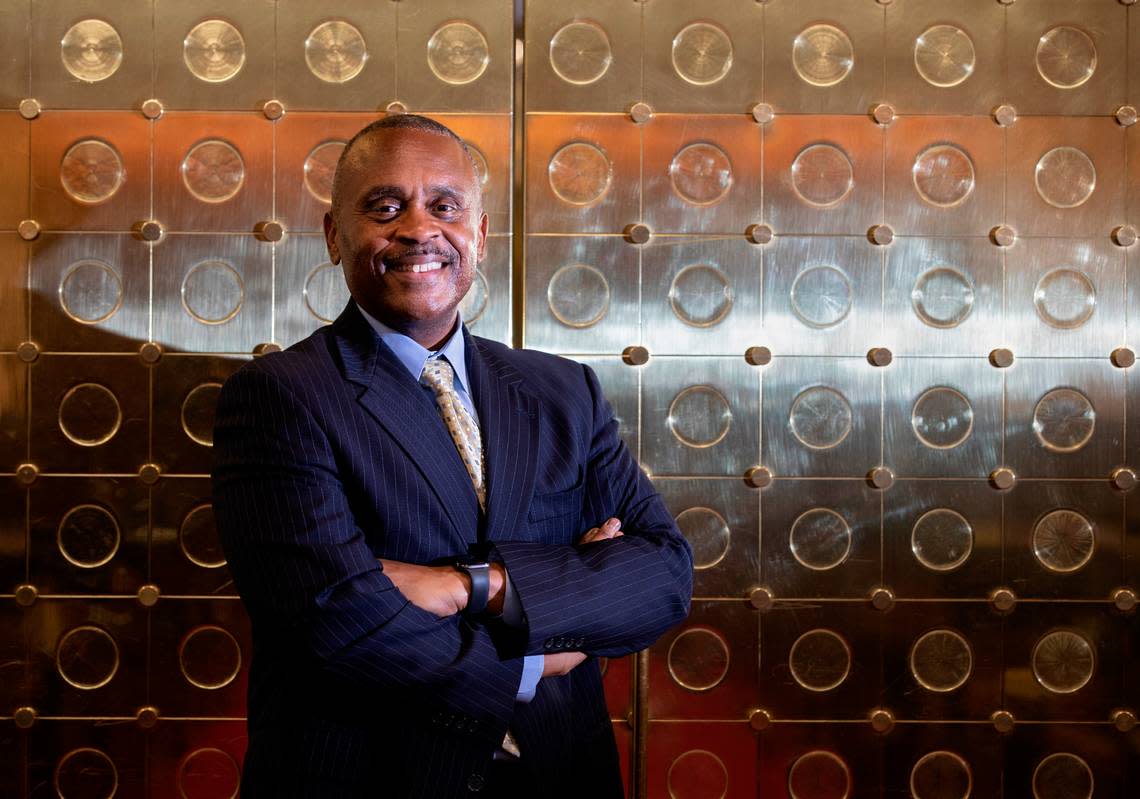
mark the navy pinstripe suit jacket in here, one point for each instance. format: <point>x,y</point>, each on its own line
<point>330,456</point>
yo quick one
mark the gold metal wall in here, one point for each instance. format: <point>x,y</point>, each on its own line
<point>857,277</point>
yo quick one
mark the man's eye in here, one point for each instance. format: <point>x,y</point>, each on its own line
<point>446,208</point>
<point>386,209</point>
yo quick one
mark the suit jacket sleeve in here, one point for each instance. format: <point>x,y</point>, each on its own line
<point>612,597</point>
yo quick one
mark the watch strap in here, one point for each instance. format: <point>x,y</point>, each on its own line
<point>480,574</point>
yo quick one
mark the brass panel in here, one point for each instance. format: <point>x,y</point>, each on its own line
<point>1098,749</point>
<point>200,654</point>
<point>933,755</point>
<point>487,307</point>
<point>693,758</point>
<point>617,676</point>
<point>13,412</point>
<point>195,758</point>
<point>622,386</point>
<point>828,757</point>
<point>186,389</point>
<point>16,134</point>
<point>13,288</point>
<point>85,756</point>
<point>1132,157</point>
<point>186,557</point>
<point>14,545</point>
<point>15,44</point>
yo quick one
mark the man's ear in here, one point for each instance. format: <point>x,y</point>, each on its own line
<point>482,237</point>
<point>330,238</point>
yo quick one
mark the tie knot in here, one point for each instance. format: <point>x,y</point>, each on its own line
<point>438,374</point>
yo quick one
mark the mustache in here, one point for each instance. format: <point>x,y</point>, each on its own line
<point>444,253</point>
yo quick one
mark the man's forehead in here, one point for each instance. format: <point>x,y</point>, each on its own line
<point>378,150</point>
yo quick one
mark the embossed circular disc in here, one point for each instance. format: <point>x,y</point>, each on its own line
<point>89,415</point>
<point>820,418</point>
<point>823,55</point>
<point>320,167</point>
<point>210,657</point>
<point>942,418</point>
<point>821,296</point>
<point>580,173</point>
<point>1066,57</point>
<point>1063,661</point>
<point>820,660</point>
<point>943,175</point>
<point>91,171</point>
<point>941,661</point>
<point>325,292</point>
<point>580,52</point>
<point>88,536</point>
<point>213,292</point>
<point>474,302</point>
<point>87,657</point>
<point>86,773</point>
<point>198,413</point>
<point>1064,420</point>
<point>700,295</point>
<point>214,51</point>
<point>335,51</point>
<point>701,174</point>
<point>697,774</point>
<point>819,775</point>
<point>942,539</point>
<point>820,539</point>
<point>1063,540</point>
<point>1065,298</point>
<point>944,55</point>
<point>213,171</point>
<point>457,53</point>
<point>91,50</point>
<point>702,53</point>
<point>699,417</point>
<point>698,659</point>
<point>1062,775</point>
<point>90,292</point>
<point>707,533</point>
<point>198,538</point>
<point>208,773</point>
<point>941,775</point>
<point>822,175</point>
<point>578,295</point>
<point>942,297</point>
<point>1065,177</point>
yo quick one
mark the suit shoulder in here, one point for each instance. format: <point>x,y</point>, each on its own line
<point>540,371</point>
<point>294,367</point>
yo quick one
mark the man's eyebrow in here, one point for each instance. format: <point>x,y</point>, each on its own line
<point>376,192</point>
<point>450,192</point>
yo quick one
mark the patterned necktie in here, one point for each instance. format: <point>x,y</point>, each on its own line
<point>440,377</point>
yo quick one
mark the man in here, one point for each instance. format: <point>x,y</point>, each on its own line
<point>353,469</point>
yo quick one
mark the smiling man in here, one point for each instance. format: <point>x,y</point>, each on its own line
<point>434,535</point>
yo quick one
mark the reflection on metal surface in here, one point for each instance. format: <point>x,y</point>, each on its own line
<point>87,657</point>
<point>702,53</point>
<point>943,175</point>
<point>819,775</point>
<point>820,660</point>
<point>210,657</point>
<point>942,539</point>
<point>86,773</point>
<point>1065,298</point>
<point>335,51</point>
<point>1062,775</point>
<point>474,302</point>
<point>580,52</point>
<point>941,661</point>
<point>580,173</point>
<point>482,172</point>
<point>325,292</point>
<point>198,413</point>
<point>91,171</point>
<point>89,415</point>
<point>1064,420</point>
<point>942,418</point>
<point>698,659</point>
<point>820,417</point>
<point>208,773</point>
<point>697,774</point>
<point>213,292</point>
<point>942,297</point>
<point>1065,177</point>
<point>701,174</point>
<point>320,167</point>
<point>1063,661</point>
<point>213,171</point>
<point>699,417</point>
<point>578,295</point>
<point>823,55</point>
<point>1063,540</point>
<point>821,296</point>
<point>822,175</point>
<point>90,292</point>
<point>941,775</point>
<point>1066,57</point>
<point>88,536</point>
<point>708,534</point>
<point>820,539</point>
<point>91,50</point>
<point>214,51</point>
<point>198,538</point>
<point>700,295</point>
<point>457,53</point>
<point>944,55</point>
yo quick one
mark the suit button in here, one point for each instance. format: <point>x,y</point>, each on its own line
<point>475,783</point>
<point>549,643</point>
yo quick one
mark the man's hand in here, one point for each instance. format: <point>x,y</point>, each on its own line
<point>560,663</point>
<point>611,528</point>
<point>441,590</point>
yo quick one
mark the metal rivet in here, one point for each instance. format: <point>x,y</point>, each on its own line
<point>1003,600</point>
<point>1124,235</point>
<point>882,720</point>
<point>758,356</point>
<point>153,109</point>
<point>1127,2</point>
<point>883,114</point>
<point>635,355</point>
<point>758,477</point>
<point>1002,720</point>
<point>879,356</point>
<point>148,595</point>
<point>1124,599</point>
<point>637,233</point>
<point>269,231</point>
<point>759,719</point>
<point>273,109</point>
<point>1124,720</point>
<point>640,113</point>
<point>395,108</point>
<point>150,352</point>
<point>1124,479</point>
<point>763,113</point>
<point>28,351</point>
<point>761,598</point>
<point>1005,115</point>
<point>146,716</point>
<point>266,347</point>
<point>28,229</point>
<point>881,478</point>
<point>758,234</point>
<point>882,599</point>
<point>149,473</point>
<point>1123,357</point>
<point>881,234</point>
<point>30,108</point>
<point>1001,357</point>
<point>1126,115</point>
<point>26,473</point>
<point>24,717</point>
<point>26,595</point>
<point>147,230</point>
<point>1003,478</point>
<point>1003,236</point>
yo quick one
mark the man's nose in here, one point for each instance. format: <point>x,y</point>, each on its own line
<point>417,224</point>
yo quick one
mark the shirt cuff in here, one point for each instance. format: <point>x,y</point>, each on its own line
<point>531,674</point>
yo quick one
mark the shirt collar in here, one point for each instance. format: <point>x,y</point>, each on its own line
<point>413,356</point>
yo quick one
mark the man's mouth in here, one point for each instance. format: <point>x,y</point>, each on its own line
<point>415,263</point>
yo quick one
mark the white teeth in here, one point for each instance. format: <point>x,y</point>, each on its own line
<point>430,266</point>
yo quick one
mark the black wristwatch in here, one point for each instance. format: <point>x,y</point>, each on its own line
<point>479,570</point>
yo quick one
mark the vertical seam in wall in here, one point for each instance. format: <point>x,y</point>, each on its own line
<point>517,169</point>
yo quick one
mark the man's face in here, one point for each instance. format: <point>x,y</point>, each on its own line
<point>410,230</point>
